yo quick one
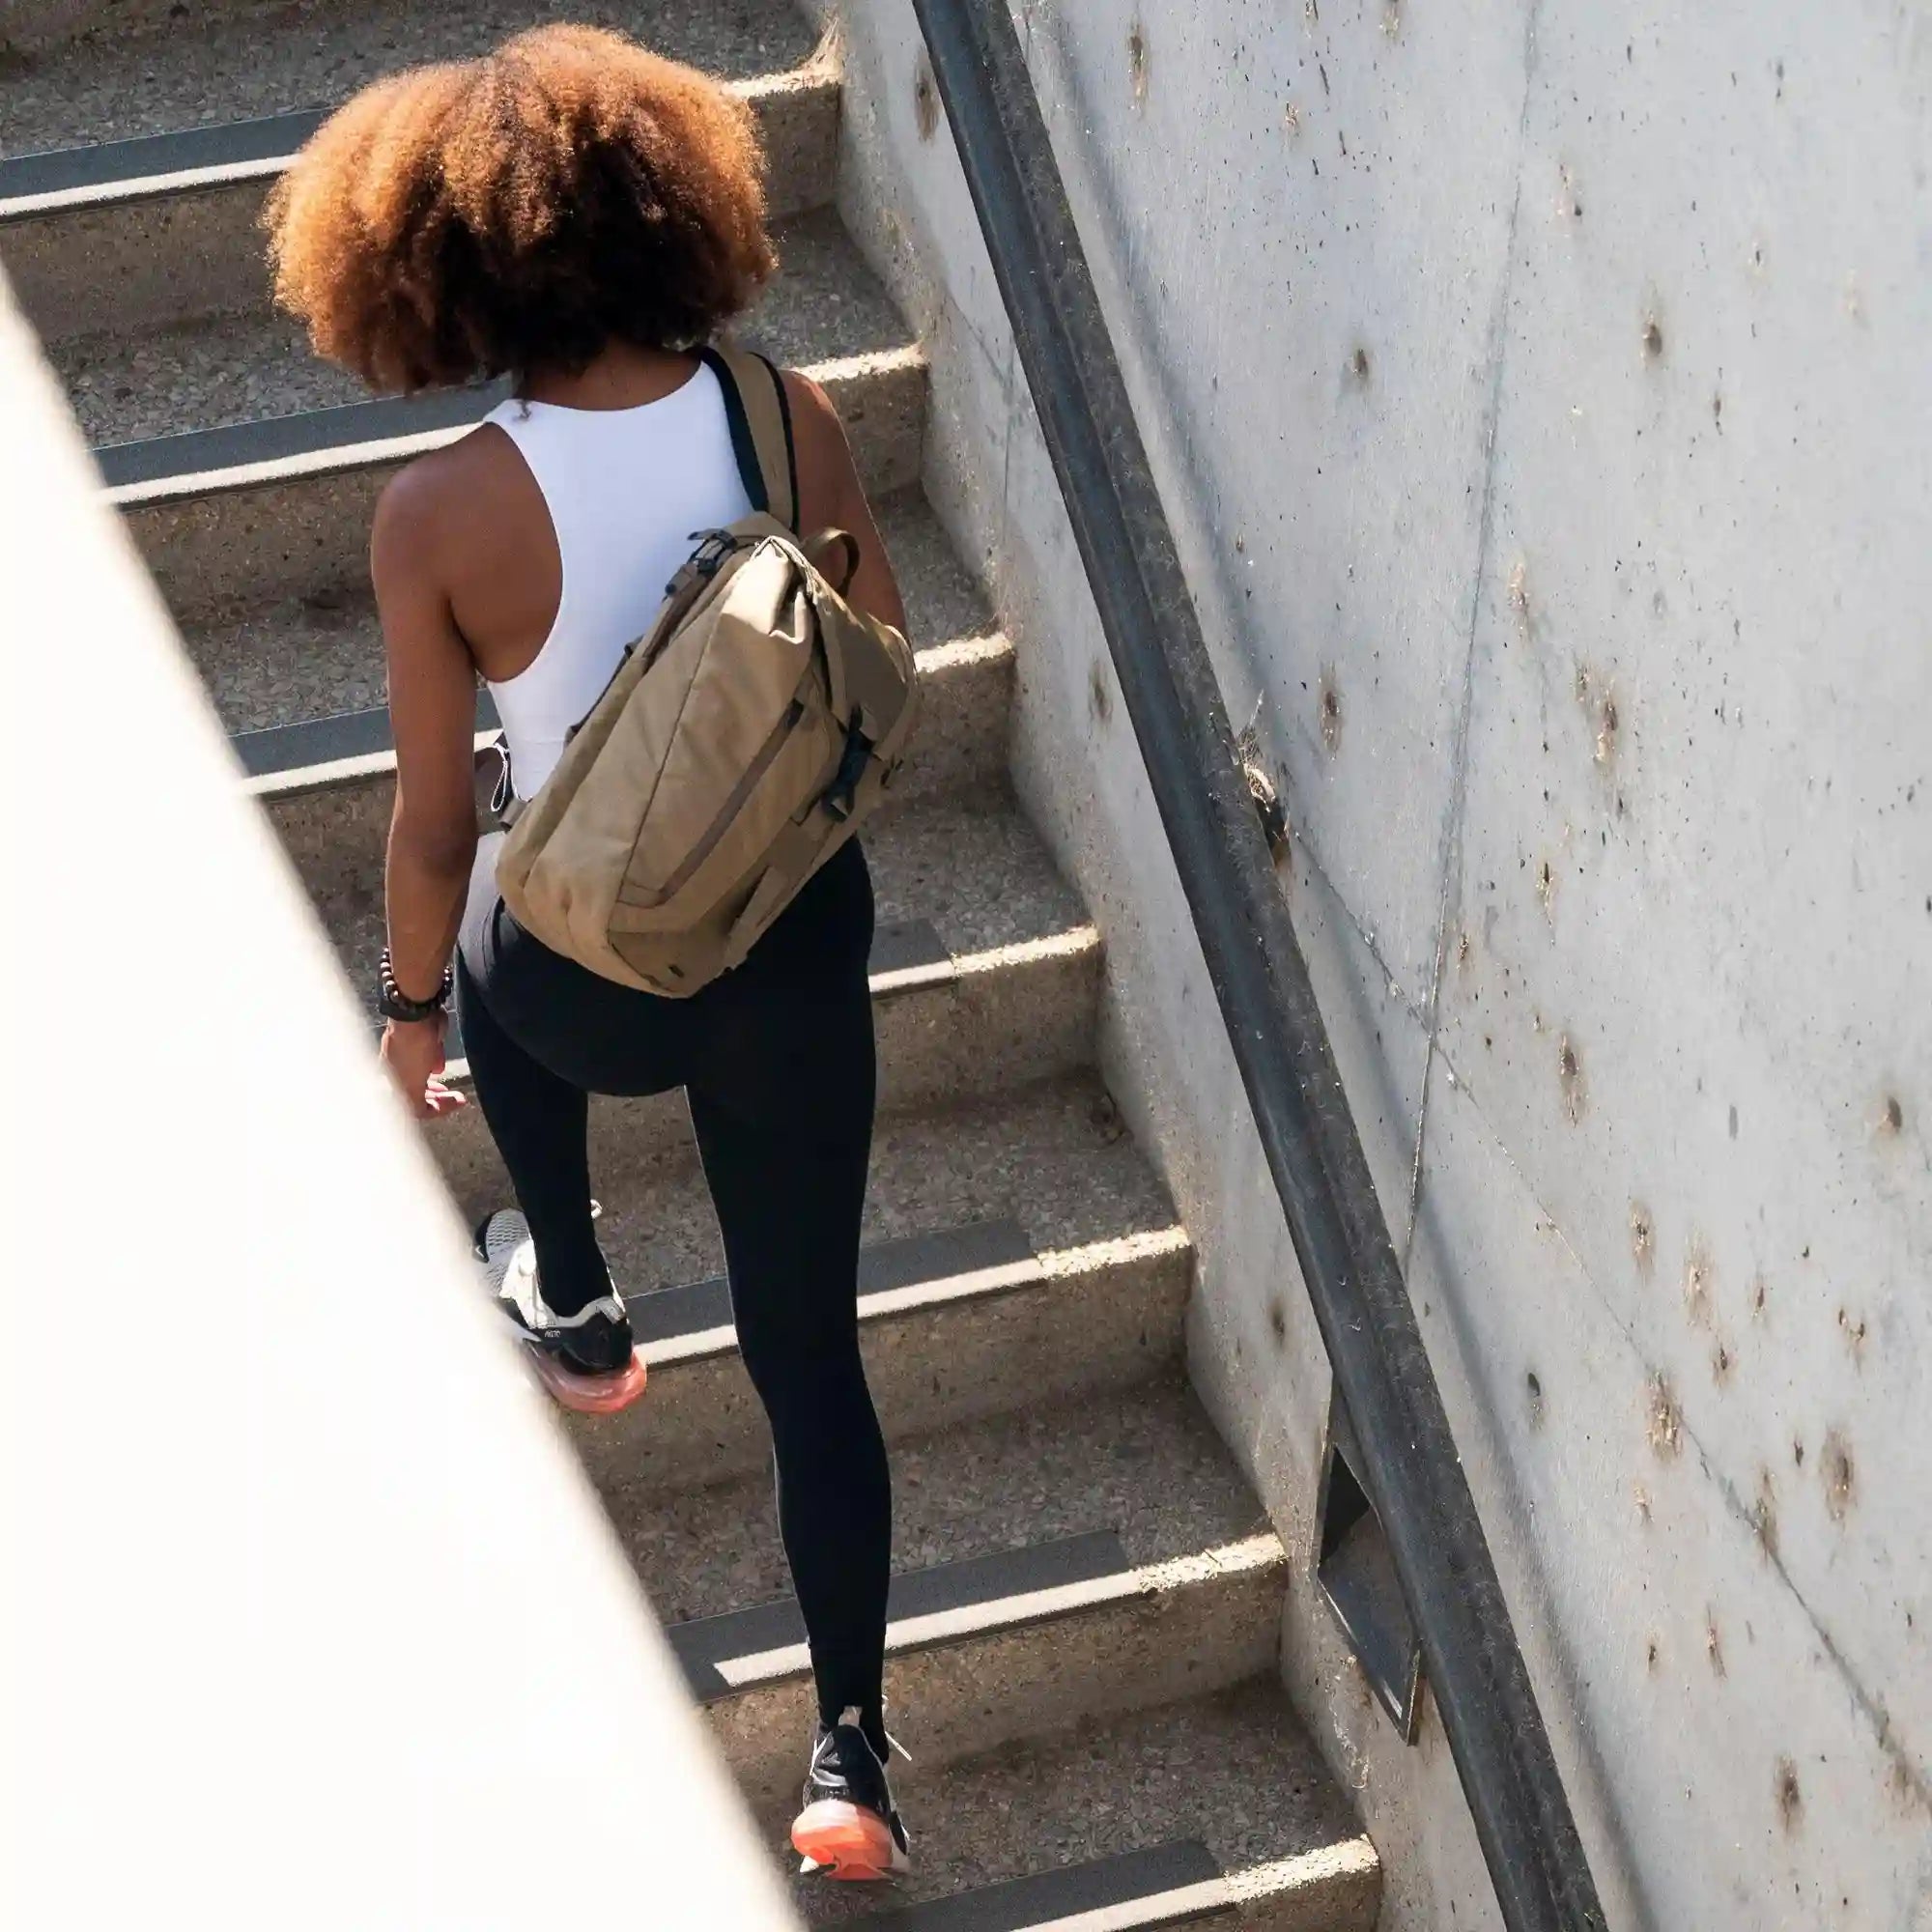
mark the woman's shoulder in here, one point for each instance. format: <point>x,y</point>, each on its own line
<point>826,471</point>
<point>456,495</point>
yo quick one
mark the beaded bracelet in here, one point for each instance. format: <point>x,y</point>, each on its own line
<point>393,1003</point>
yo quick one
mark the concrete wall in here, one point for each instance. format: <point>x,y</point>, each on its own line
<point>1541,394</point>
<point>311,1621</point>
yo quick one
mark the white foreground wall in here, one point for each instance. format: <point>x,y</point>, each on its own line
<point>308,1620</point>
<point>1541,394</point>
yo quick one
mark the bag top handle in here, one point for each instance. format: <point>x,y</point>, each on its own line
<point>759,413</point>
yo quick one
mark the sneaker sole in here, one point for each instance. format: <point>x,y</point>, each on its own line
<point>845,1841</point>
<point>587,1395</point>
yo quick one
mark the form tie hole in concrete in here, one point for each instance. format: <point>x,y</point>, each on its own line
<point>1665,1420</point>
<point>1644,1236</point>
<point>924,100</point>
<point>1569,1075</point>
<point>1652,339</point>
<point>1518,594</point>
<point>1330,705</point>
<point>1790,1799</point>
<point>1853,1332</point>
<point>1834,1467</point>
<point>1137,61</point>
<point>1764,1513</point>
<point>1099,693</point>
<point>1608,721</point>
<point>1698,1287</point>
<point>1892,1116</point>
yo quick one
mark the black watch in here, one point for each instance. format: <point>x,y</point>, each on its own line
<point>393,1003</point>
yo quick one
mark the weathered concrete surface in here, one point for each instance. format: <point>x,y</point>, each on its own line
<point>1540,394</point>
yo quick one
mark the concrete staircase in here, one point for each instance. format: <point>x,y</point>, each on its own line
<point>1087,1597</point>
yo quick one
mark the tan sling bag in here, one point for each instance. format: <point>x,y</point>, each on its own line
<point>742,740</point>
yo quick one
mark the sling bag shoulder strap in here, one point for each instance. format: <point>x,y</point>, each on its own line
<point>759,415</point>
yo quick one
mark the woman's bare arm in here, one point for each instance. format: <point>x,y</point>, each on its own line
<point>831,496</point>
<point>433,708</point>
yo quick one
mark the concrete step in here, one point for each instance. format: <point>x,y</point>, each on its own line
<point>985,976</point>
<point>302,681</point>
<point>1017,1252</point>
<point>1074,1560</point>
<point>136,165</point>
<point>1216,1812</point>
<point>245,473</point>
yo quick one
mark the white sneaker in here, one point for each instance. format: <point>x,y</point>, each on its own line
<point>595,1341</point>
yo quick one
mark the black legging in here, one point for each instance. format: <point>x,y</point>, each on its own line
<point>778,1060</point>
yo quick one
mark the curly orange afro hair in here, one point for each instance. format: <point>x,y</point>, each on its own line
<point>522,211</point>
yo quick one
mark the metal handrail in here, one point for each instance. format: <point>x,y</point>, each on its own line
<point>1413,1474</point>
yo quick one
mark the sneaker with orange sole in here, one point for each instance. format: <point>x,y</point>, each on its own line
<point>588,1361</point>
<point>850,1829</point>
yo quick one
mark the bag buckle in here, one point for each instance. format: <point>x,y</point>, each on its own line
<point>838,796</point>
<point>706,561</point>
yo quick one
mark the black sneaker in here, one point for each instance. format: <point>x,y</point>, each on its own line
<point>595,1341</point>
<point>850,1828</point>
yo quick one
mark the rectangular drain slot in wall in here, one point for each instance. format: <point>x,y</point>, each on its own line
<point>1356,1572</point>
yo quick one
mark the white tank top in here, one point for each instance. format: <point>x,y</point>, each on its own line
<point>625,490</point>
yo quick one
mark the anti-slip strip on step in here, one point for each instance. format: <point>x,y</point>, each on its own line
<point>190,158</point>
<point>962,1265</point>
<point>346,436</point>
<point>1179,1884</point>
<point>959,1256</point>
<point>946,1603</point>
<point>277,750</point>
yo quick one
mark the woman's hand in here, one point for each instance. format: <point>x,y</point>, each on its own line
<point>413,1052</point>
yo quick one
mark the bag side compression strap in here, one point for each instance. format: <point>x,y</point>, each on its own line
<point>761,418</point>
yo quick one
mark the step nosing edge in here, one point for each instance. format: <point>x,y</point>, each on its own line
<point>161,165</point>
<point>373,452</point>
<point>1177,1883</point>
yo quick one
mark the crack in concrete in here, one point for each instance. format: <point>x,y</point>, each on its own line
<point>1452,847</point>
